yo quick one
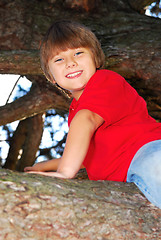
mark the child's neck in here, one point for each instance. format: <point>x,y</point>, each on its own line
<point>77,94</point>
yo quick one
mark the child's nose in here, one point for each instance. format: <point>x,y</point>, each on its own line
<point>70,63</point>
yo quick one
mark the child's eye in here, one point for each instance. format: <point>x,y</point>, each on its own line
<point>58,60</point>
<point>78,53</point>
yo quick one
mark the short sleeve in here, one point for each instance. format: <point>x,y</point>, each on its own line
<point>106,95</point>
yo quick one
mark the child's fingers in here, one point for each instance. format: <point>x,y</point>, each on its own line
<point>27,169</point>
<point>35,172</point>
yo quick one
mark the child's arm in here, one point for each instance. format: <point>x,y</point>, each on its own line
<point>51,165</point>
<point>82,128</point>
<point>45,166</point>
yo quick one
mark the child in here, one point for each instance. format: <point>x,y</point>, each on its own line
<point>110,131</point>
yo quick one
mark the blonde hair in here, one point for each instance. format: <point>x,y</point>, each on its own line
<point>63,35</point>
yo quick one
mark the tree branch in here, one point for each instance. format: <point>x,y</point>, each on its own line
<point>139,5</point>
<point>21,62</point>
<point>34,130</point>
<point>42,97</point>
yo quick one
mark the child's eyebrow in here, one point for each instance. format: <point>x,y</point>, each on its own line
<point>57,52</point>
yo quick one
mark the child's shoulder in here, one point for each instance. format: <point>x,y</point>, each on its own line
<point>108,73</point>
<point>105,76</point>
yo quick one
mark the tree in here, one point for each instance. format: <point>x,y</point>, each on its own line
<point>48,208</point>
<point>130,40</point>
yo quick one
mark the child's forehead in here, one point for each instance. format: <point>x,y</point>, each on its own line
<point>58,51</point>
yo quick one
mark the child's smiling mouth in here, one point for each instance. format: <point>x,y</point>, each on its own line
<point>74,74</point>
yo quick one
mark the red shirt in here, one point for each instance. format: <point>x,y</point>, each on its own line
<point>127,125</point>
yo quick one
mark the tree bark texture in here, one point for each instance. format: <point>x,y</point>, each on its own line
<point>131,42</point>
<point>42,96</point>
<point>25,143</point>
<point>37,207</point>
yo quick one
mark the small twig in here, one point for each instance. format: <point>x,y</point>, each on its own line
<point>13,89</point>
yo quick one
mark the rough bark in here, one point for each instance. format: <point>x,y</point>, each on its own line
<point>86,5</point>
<point>25,143</point>
<point>36,207</point>
<point>32,141</point>
<point>22,62</point>
<point>16,144</point>
<point>140,5</point>
<point>40,98</point>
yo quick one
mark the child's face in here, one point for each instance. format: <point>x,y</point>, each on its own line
<point>72,69</point>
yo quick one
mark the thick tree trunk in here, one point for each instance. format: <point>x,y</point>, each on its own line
<point>36,207</point>
<point>16,144</point>
<point>34,130</point>
<point>25,143</point>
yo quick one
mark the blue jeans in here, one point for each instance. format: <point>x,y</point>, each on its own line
<point>145,171</point>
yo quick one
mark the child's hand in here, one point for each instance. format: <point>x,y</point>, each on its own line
<point>36,167</point>
<point>50,165</point>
